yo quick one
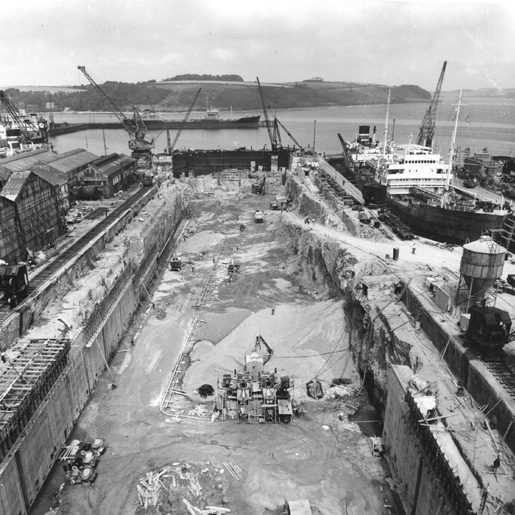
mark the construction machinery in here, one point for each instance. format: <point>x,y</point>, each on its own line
<point>427,129</point>
<point>32,130</point>
<point>258,187</point>
<point>175,264</point>
<point>233,269</point>
<point>273,124</point>
<point>489,328</point>
<point>259,216</point>
<point>255,395</point>
<point>170,147</point>
<point>141,148</point>
<point>14,283</point>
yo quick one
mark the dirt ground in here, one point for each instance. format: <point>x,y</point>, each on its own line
<point>320,456</point>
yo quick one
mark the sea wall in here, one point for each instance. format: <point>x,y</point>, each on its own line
<point>28,463</point>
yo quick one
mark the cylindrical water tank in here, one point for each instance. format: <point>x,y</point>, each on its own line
<point>481,264</point>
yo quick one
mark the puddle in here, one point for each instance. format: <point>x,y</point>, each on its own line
<point>368,420</point>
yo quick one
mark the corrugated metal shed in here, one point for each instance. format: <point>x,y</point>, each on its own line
<point>51,176</point>
<point>74,161</point>
<point>14,185</point>
<point>21,162</point>
<point>112,163</point>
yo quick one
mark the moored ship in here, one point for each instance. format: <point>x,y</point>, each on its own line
<point>418,187</point>
<point>211,121</point>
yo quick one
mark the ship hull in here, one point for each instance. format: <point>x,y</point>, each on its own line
<point>443,224</point>
<point>248,122</point>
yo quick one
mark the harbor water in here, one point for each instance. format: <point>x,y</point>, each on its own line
<point>484,123</point>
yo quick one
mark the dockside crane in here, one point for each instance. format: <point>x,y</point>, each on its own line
<point>347,157</point>
<point>141,148</point>
<point>171,146</point>
<point>427,129</point>
<point>272,127</point>
<point>31,132</point>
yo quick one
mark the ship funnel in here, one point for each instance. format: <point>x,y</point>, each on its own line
<point>481,264</point>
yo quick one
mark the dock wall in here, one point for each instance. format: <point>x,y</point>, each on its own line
<point>467,367</point>
<point>26,466</point>
<point>29,312</point>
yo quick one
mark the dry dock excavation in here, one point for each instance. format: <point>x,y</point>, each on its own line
<point>236,380</point>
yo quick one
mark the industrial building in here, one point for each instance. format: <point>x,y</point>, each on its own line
<point>31,216</point>
<point>107,175</point>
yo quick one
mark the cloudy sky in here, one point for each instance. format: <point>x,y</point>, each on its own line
<point>386,42</point>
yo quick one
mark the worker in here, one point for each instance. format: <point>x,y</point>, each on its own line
<point>193,268</point>
<point>413,248</point>
<point>497,463</point>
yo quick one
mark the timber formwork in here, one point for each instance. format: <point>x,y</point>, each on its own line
<point>25,380</point>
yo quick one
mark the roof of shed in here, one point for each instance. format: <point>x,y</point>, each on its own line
<point>14,185</point>
<point>72,160</point>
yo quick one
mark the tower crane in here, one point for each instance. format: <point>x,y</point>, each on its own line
<point>427,129</point>
<point>31,132</point>
<point>141,148</point>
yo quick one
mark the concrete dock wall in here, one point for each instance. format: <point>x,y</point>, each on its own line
<point>468,369</point>
<point>29,312</point>
<point>24,470</point>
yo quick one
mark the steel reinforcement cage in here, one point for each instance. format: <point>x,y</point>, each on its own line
<point>24,384</point>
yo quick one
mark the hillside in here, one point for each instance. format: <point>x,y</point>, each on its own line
<point>177,95</point>
<point>290,95</point>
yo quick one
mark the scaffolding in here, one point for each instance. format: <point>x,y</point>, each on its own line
<point>25,381</point>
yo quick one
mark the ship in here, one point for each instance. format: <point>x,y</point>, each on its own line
<point>22,136</point>
<point>420,192</point>
<point>417,186</point>
<point>211,121</point>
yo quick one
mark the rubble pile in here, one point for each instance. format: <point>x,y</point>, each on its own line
<point>183,488</point>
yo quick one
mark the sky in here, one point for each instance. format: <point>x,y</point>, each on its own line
<point>384,42</point>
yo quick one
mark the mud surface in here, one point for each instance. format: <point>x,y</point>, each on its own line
<point>320,456</point>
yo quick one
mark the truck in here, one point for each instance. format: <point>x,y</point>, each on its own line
<point>280,202</point>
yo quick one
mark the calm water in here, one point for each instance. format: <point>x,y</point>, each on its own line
<point>484,122</point>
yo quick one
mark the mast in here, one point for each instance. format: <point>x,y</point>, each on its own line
<point>453,142</point>
<point>386,123</point>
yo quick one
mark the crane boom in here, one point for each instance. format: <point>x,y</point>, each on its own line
<point>30,132</point>
<point>347,157</point>
<point>427,129</point>
<point>171,147</point>
<point>272,133</point>
<point>135,128</point>
<point>289,134</point>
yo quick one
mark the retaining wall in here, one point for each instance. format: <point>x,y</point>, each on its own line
<point>24,470</point>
